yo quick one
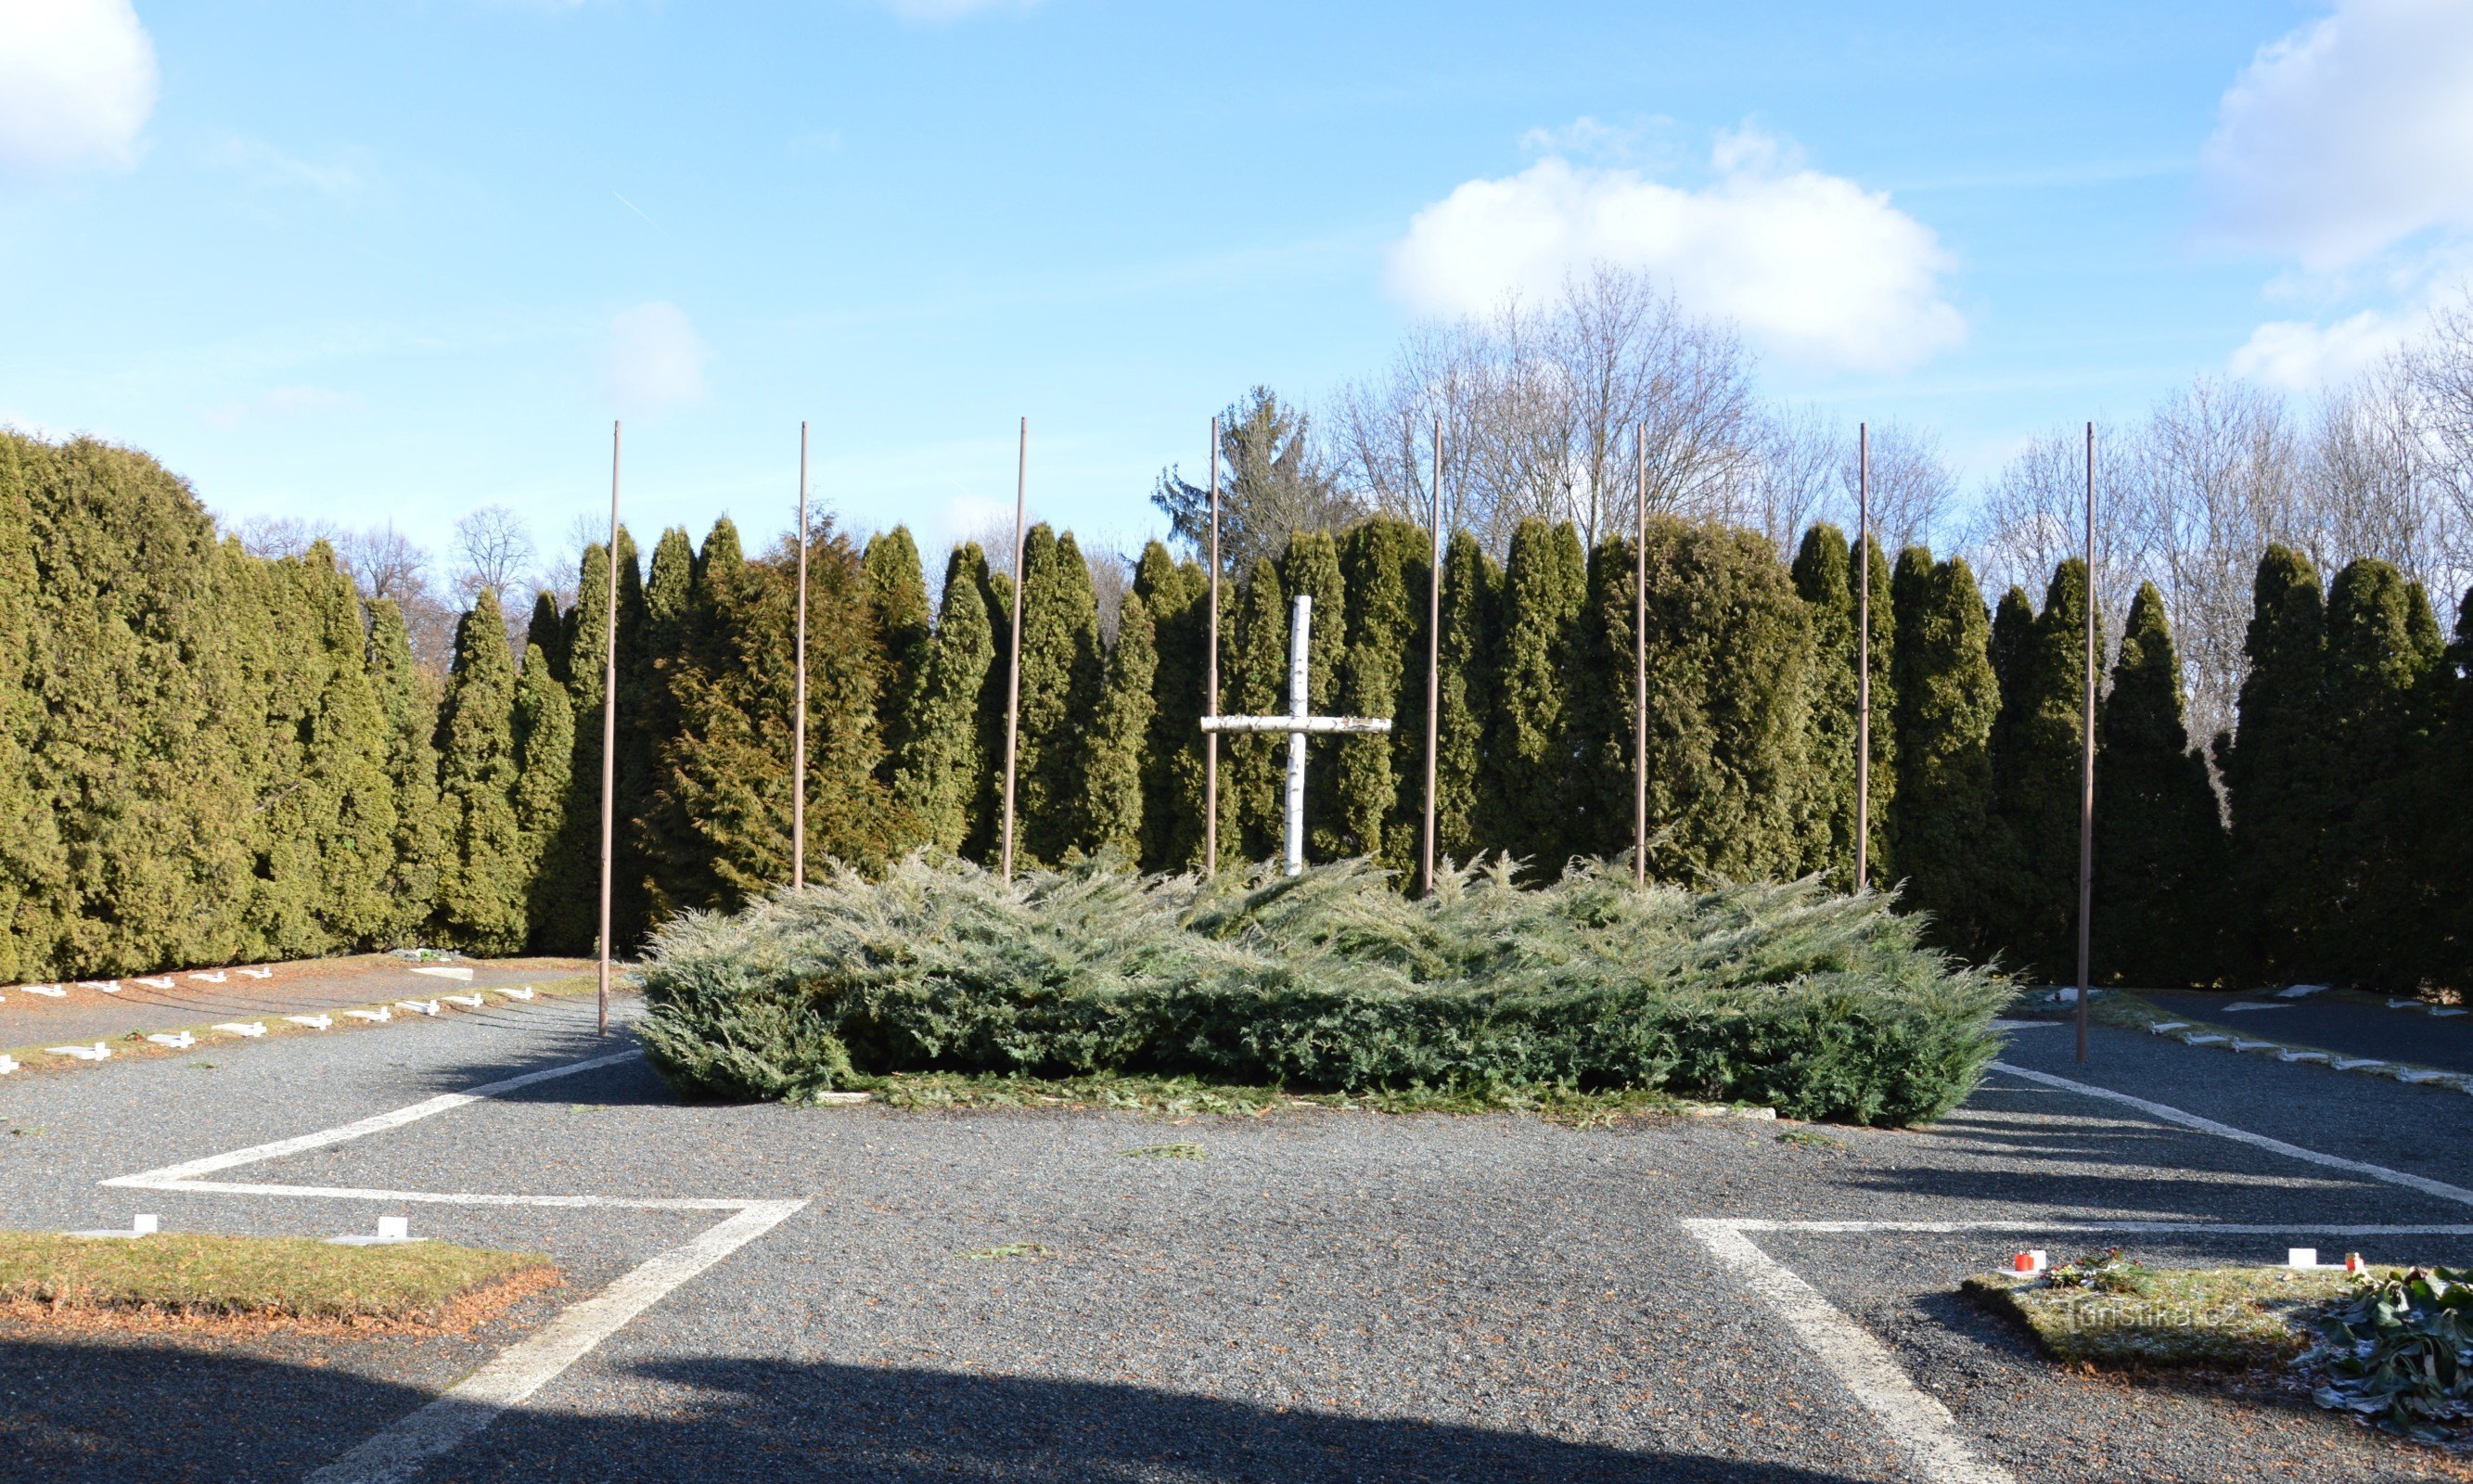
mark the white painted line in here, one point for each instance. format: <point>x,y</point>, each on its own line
<point>399,1453</point>
<point>430,1197</point>
<point>363,1128</point>
<point>2190,1121</point>
<point>1917,1423</point>
<point>2087,1228</point>
<point>2021,1025</point>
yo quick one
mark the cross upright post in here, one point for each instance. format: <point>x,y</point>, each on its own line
<point>1298,726</point>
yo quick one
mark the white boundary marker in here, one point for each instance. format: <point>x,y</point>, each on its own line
<point>400,1451</point>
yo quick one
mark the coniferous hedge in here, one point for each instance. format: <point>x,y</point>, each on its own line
<point>208,756</point>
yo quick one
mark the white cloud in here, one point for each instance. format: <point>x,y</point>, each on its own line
<point>938,10</point>
<point>77,81</point>
<point>2299,355</point>
<point>656,359</point>
<point>1811,266</point>
<point>2348,135</point>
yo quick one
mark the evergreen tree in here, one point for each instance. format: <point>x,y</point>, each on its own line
<point>1884,865</point>
<point>269,657</point>
<point>1112,774</point>
<point>1596,797</point>
<point>984,842</point>
<point>942,769</point>
<point>417,860</point>
<point>2159,845</point>
<point>897,600</point>
<point>547,632</point>
<point>852,815</point>
<point>1822,579</point>
<point>1544,586</point>
<point>1255,674</point>
<point>706,792</point>
<point>483,893</point>
<point>1944,828</point>
<point>2275,768</point>
<point>1311,568</point>
<point>1275,485</point>
<point>1061,678</point>
<point>1379,778</point>
<point>2381,648</point>
<point>33,866</point>
<point>1472,598</point>
<point>2037,763</point>
<point>1177,597</point>
<point>544,737</point>
<point>348,752</point>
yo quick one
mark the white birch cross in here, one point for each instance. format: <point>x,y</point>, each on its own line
<point>1298,726</point>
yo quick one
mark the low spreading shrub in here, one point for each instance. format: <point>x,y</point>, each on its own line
<point>1821,1005</point>
<point>2399,1352</point>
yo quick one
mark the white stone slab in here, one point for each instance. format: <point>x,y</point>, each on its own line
<point>524,992</point>
<point>2240,1005</point>
<point>180,1042</point>
<point>2303,1056</point>
<point>2257,1045</point>
<point>106,986</point>
<point>464,974</point>
<point>2204,1041</point>
<point>98,1052</point>
<point>314,1022</point>
<point>2163,1027</point>
<point>142,1226</point>
<point>8,1065</point>
<point>2356,1063</point>
<point>427,1007</point>
<point>252,1028</point>
<point>47,991</point>
<point>259,973</point>
<point>2300,991</point>
<point>164,983</point>
<point>468,1001</point>
<point>373,1017</point>
<point>210,976</point>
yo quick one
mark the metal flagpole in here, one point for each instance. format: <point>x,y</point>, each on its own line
<point>2086,759</point>
<point>1640,659</point>
<point>608,731</point>
<point>798,707</point>
<point>1864,658</point>
<point>1013,672</point>
<point>1433,650</point>
<point>1210,683</point>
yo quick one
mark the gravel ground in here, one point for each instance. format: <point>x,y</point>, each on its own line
<point>2362,1026</point>
<point>1326,1296</point>
<point>305,988</point>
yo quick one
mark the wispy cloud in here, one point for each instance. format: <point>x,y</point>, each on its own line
<point>263,166</point>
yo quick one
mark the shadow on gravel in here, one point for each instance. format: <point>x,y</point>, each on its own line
<point>132,1413</point>
<point>627,1084</point>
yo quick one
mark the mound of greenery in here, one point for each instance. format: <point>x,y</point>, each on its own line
<point>1821,1005</point>
<point>2400,1352</point>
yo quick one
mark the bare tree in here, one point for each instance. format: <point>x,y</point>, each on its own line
<point>386,563</point>
<point>493,549</point>
<point>2436,377</point>
<point>1783,484</point>
<point>1912,486</point>
<point>2367,486</point>
<point>285,535</point>
<point>1112,577</point>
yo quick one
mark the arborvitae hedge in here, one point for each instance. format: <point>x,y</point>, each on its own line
<point>2274,767</point>
<point>897,601</point>
<point>1178,598</point>
<point>940,769</point>
<point>1471,622</point>
<point>1544,583</point>
<point>485,893</point>
<point>1113,769</point>
<point>2159,843</point>
<point>1944,829</point>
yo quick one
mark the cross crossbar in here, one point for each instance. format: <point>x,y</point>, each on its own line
<point>1297,724</point>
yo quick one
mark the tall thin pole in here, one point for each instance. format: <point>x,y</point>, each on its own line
<point>1864,657</point>
<point>2087,762</point>
<point>1013,671</point>
<point>1640,657</point>
<point>798,707</point>
<point>609,733</point>
<point>1434,652</point>
<point>1210,683</point>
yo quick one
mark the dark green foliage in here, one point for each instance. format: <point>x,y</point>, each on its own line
<point>2275,768</point>
<point>547,632</point>
<point>1944,829</point>
<point>986,820</point>
<point>1544,585</point>
<point>1311,568</point>
<point>1597,796</point>
<point>1062,672</point>
<point>571,897</point>
<point>1884,865</point>
<point>1823,577</point>
<point>31,863</point>
<point>715,826</point>
<point>2396,1354</point>
<point>1111,774</point>
<point>346,749</point>
<point>1178,598</point>
<point>2159,843</point>
<point>484,890</point>
<point>2038,758</point>
<point>2382,647</point>
<point>897,601</point>
<point>851,815</point>
<point>1273,489</point>
<point>418,862</point>
<point>1378,779</point>
<point>1472,615</point>
<point>941,768</point>
<point>1255,678</point>
<point>545,726</point>
<point>1821,1006</point>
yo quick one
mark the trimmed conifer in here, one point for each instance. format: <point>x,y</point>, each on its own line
<point>2380,649</point>
<point>547,632</point>
<point>941,771</point>
<point>2159,842</point>
<point>897,601</point>
<point>2037,763</point>
<point>1061,680</point>
<point>1112,773</point>
<point>1472,598</point>
<point>1177,597</point>
<point>348,746</point>
<point>544,736</point>
<point>851,815</point>
<point>1384,569</point>
<point>1255,676</point>
<point>483,896</point>
<point>2275,769</point>
<point>1310,566</point>
<point>1883,864</point>
<point>418,861</point>
<point>1545,586</point>
<point>1944,828</point>
<point>1822,578</point>
<point>987,815</point>
<point>32,864</point>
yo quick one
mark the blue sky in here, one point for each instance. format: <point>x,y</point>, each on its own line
<point>376,260</point>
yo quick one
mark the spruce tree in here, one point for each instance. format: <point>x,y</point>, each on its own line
<point>1311,568</point>
<point>2275,768</point>
<point>2380,651</point>
<point>942,769</point>
<point>1061,678</point>
<point>1544,586</point>
<point>1944,829</point>
<point>897,601</point>
<point>482,897</point>
<point>418,861</point>
<point>544,737</point>
<point>2037,763</point>
<point>1112,774</point>
<point>2159,845</point>
<point>640,729</point>
<point>1464,826</point>
<point>1177,597</point>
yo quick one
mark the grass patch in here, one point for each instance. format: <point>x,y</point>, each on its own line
<point>1007,1252</point>
<point>1787,995</point>
<point>186,1274</point>
<point>1167,1151</point>
<point>1177,1098</point>
<point>2140,1318</point>
<point>1809,1138</point>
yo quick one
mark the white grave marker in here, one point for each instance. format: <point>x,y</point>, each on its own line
<point>98,1052</point>
<point>373,1017</point>
<point>237,1028</point>
<point>314,1022</point>
<point>180,1042</point>
<point>1297,724</point>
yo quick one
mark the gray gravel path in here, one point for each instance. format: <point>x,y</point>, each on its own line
<point>1326,1296</point>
